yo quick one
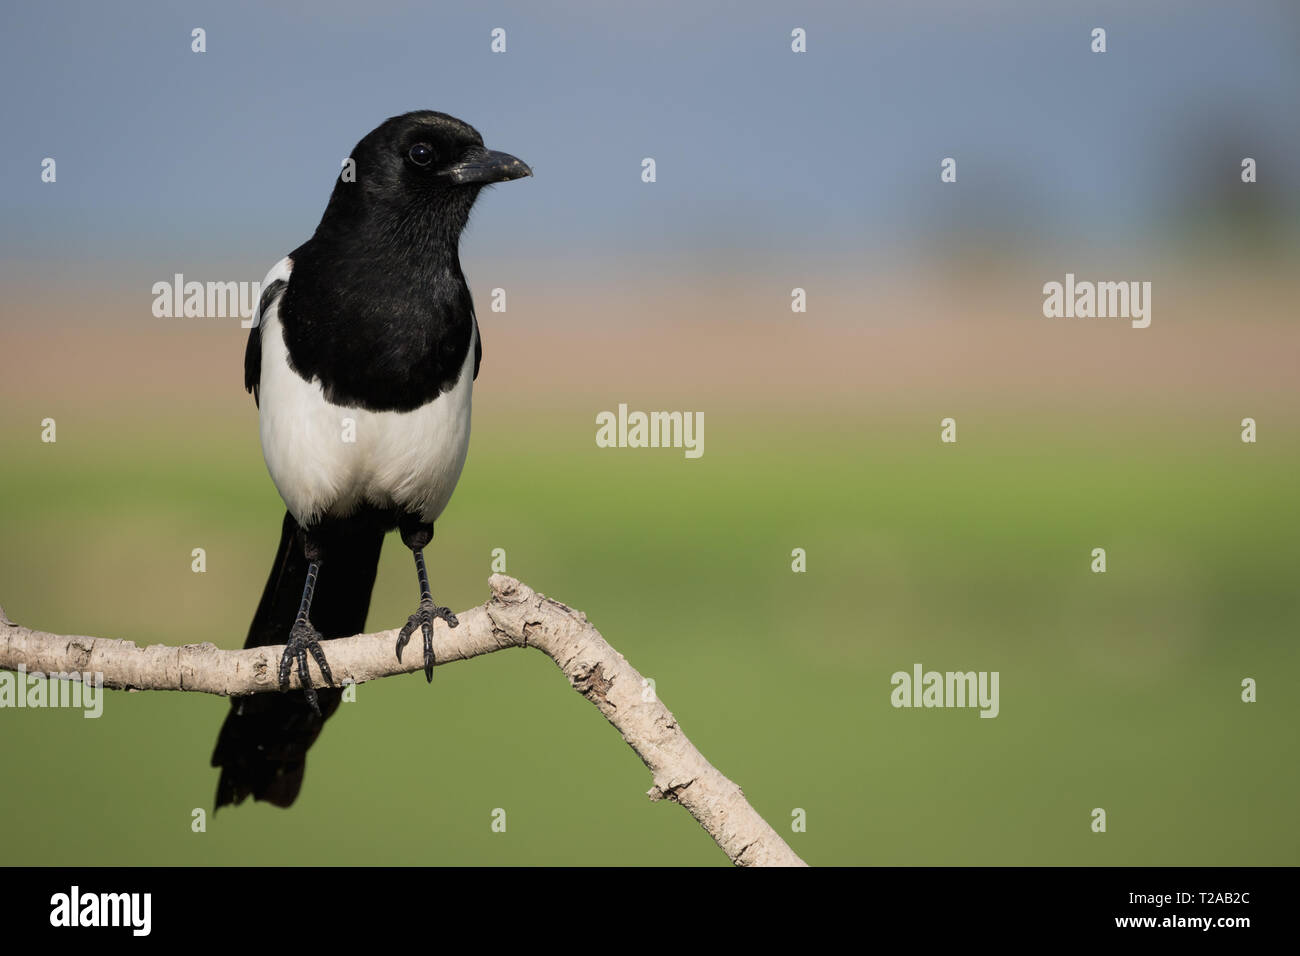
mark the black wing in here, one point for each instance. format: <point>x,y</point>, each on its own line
<point>478,347</point>
<point>253,351</point>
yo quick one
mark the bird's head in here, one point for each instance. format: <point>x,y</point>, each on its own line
<point>418,173</point>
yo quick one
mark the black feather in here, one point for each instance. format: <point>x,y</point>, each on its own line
<point>253,351</point>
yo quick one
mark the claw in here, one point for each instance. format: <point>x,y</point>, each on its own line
<point>423,618</point>
<point>427,627</point>
<point>312,702</point>
<point>404,635</point>
<point>286,662</point>
<point>318,653</point>
<point>303,638</point>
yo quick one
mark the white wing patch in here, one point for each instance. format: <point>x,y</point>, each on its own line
<point>409,460</point>
<point>280,270</point>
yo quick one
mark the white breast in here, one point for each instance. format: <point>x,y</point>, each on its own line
<point>327,460</point>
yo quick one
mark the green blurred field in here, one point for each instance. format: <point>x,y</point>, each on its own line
<point>1118,690</point>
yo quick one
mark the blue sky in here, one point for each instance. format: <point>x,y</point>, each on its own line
<point>170,160</point>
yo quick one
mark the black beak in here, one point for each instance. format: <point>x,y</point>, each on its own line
<point>484,166</point>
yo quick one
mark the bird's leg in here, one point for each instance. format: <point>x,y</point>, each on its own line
<point>303,637</point>
<point>416,536</point>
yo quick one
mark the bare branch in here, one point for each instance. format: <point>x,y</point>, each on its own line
<point>515,616</point>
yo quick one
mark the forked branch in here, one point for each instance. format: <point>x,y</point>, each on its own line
<point>515,616</point>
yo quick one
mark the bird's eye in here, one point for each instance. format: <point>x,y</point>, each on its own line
<point>421,154</point>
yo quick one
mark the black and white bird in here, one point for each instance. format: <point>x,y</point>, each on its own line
<point>362,360</point>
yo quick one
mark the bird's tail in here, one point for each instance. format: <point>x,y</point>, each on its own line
<point>262,748</point>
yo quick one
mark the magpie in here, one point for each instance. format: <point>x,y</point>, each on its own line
<point>361,360</point>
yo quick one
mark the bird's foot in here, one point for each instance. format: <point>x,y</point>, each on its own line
<point>423,619</point>
<point>303,638</point>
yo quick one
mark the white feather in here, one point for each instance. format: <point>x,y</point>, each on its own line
<point>409,460</point>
